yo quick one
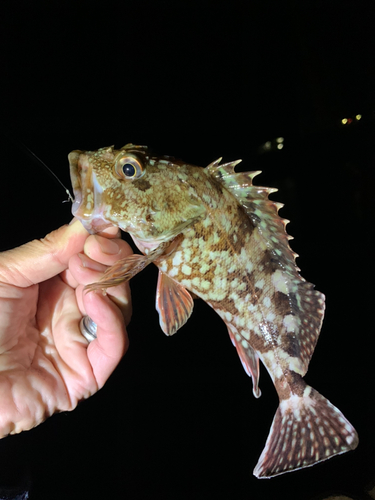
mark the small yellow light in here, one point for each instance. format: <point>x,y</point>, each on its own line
<point>344,121</point>
<point>358,117</point>
<point>280,146</point>
<point>280,140</point>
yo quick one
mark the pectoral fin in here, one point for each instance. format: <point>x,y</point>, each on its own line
<point>125,269</point>
<point>120,272</point>
<point>173,303</point>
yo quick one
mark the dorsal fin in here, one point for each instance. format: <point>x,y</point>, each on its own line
<point>271,228</point>
<point>262,211</point>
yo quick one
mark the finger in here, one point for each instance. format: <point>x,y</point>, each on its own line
<point>78,271</point>
<point>68,279</point>
<point>122,299</point>
<point>106,251</point>
<point>99,248</point>
<point>111,232</point>
<point>95,247</point>
<point>39,260</point>
<point>84,271</point>
<point>105,352</point>
<point>108,232</point>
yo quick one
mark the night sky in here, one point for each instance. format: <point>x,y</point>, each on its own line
<point>199,80</point>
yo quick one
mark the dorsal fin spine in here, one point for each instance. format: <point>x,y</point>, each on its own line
<point>214,164</point>
<point>262,211</point>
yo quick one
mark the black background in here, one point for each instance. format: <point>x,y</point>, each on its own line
<point>199,80</point>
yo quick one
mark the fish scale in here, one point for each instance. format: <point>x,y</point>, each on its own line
<point>215,235</point>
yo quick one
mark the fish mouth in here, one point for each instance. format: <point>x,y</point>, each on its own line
<point>87,205</point>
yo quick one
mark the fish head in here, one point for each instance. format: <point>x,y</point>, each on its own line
<point>152,198</point>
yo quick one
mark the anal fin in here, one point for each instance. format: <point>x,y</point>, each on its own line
<point>250,362</point>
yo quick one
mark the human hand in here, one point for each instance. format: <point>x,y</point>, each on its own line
<point>46,365</point>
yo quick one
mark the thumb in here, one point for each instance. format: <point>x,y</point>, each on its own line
<point>39,260</point>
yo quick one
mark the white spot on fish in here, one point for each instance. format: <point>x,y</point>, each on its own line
<point>219,283</point>
<point>177,259</point>
<point>205,284</point>
<point>206,222</point>
<point>273,366</point>
<point>196,282</point>
<point>164,267</point>
<point>259,283</point>
<point>187,254</point>
<point>246,334</point>
<point>234,283</point>
<point>204,268</point>
<point>228,316</point>
<point>280,282</point>
<point>244,256</point>
<point>240,321</point>
<point>267,301</point>
<point>291,323</point>
<point>307,392</point>
<point>173,272</point>
<point>186,269</point>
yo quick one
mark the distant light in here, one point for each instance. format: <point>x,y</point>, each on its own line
<point>280,140</point>
<point>280,146</point>
<point>350,121</point>
<point>344,121</point>
<point>267,145</point>
<point>358,117</point>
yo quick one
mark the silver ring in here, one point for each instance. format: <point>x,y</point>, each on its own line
<point>88,328</point>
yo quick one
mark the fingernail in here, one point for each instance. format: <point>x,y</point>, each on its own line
<point>75,225</point>
<point>109,246</point>
<point>90,264</point>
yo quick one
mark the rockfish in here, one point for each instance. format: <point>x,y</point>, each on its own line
<point>215,235</point>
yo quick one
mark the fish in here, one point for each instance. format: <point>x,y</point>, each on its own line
<point>216,236</point>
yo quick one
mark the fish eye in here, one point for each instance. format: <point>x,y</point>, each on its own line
<point>128,167</point>
<point>129,170</point>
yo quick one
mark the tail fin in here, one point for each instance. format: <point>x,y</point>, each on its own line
<point>305,430</point>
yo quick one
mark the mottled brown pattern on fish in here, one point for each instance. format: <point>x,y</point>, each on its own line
<point>226,304</point>
<point>282,304</point>
<point>229,247</point>
<point>290,347</point>
<point>250,294</point>
<point>143,185</point>
<point>224,239</point>
<point>268,263</point>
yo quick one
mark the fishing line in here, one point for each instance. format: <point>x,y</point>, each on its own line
<point>87,326</point>
<point>36,159</point>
